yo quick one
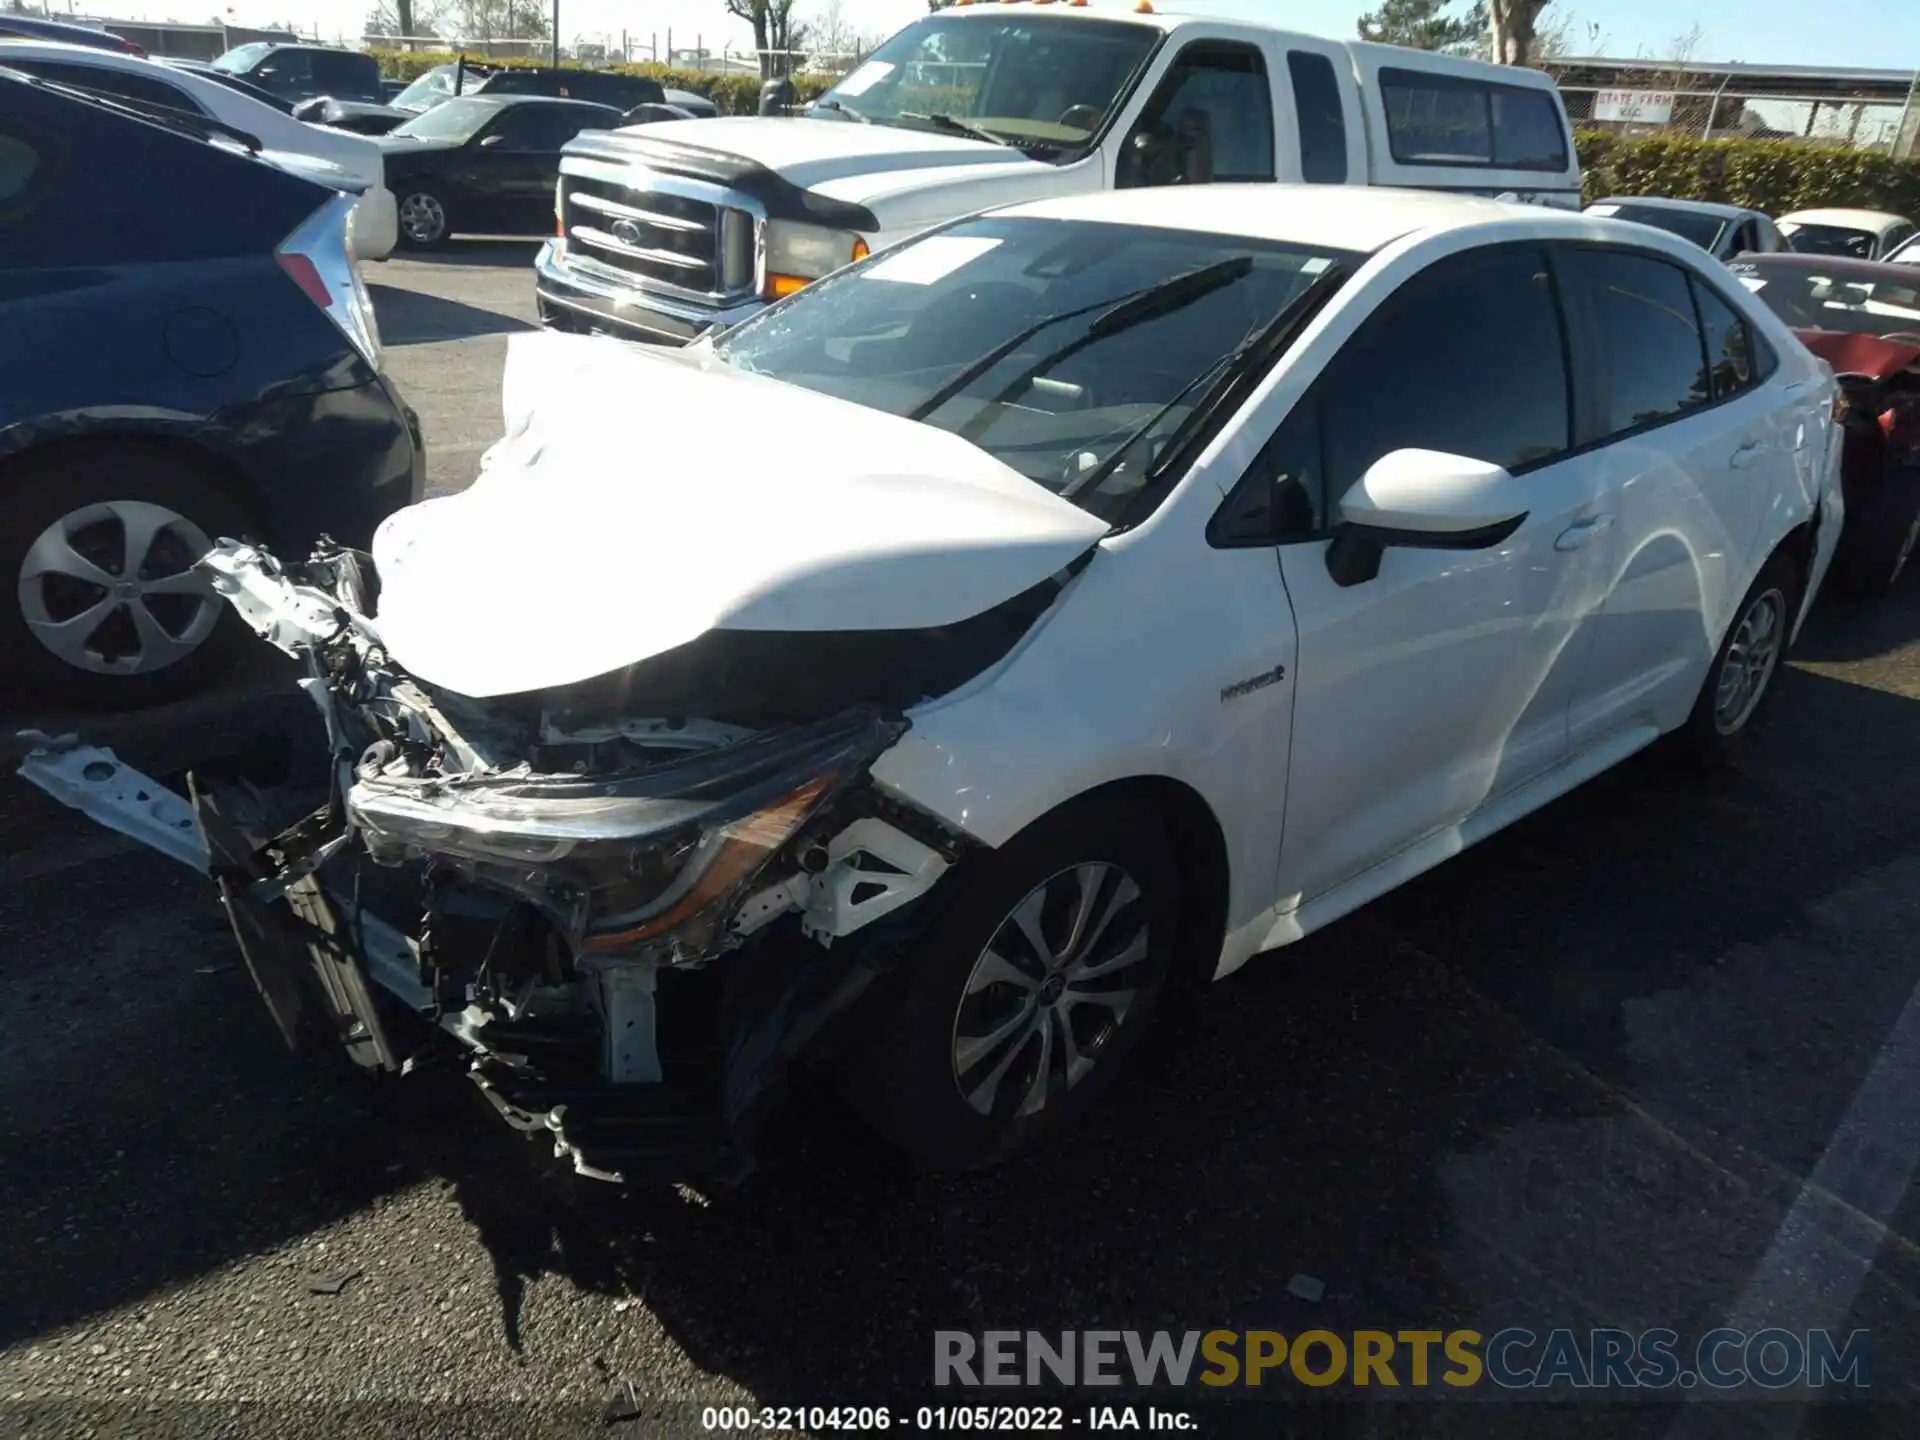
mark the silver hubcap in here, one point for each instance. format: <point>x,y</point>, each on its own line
<point>1750,661</point>
<point>1046,997</point>
<point>111,588</point>
<point>422,218</point>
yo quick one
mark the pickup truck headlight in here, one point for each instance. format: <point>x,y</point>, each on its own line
<point>798,254</point>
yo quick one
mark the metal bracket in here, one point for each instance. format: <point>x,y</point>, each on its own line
<point>95,782</point>
<point>845,896</point>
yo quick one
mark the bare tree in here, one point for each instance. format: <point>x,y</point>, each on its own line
<point>835,41</point>
<point>402,18</point>
<point>1515,24</point>
<point>777,31</point>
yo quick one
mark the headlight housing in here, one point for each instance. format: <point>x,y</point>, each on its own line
<point>796,254</point>
<point>621,862</point>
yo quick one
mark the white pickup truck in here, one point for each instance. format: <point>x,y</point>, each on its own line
<point>670,230</point>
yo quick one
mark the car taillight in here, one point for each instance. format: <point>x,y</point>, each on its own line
<point>318,257</point>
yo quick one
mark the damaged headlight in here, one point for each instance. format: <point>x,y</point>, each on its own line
<point>624,860</point>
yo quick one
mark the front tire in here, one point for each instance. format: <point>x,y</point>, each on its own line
<point>102,607</point>
<point>1741,676</point>
<point>1026,992</point>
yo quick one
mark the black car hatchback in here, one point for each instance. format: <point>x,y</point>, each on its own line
<point>186,353</point>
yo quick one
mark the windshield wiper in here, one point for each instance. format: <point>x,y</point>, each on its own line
<point>1120,312</point>
<point>201,127</point>
<point>825,103</point>
<point>954,125</point>
<point>1247,361</point>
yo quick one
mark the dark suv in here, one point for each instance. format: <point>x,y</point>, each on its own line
<point>299,72</point>
<point>186,353</point>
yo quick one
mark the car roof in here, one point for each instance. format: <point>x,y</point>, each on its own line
<point>1875,220</point>
<point>511,98</point>
<point>38,49</point>
<point>1829,265</point>
<point>1661,202</point>
<point>1339,217</point>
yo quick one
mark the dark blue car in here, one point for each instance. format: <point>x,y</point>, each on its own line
<point>186,353</point>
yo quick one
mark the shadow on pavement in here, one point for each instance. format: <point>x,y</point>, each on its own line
<point>1310,1115</point>
<point>493,251</point>
<point>411,317</point>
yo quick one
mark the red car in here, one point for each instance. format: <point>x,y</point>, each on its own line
<point>1863,318</point>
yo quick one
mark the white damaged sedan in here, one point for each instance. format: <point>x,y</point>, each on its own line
<point>919,679</point>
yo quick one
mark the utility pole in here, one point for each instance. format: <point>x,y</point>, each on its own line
<point>1906,135</point>
<point>556,32</point>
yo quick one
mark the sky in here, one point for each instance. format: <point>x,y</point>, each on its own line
<point>1871,33</point>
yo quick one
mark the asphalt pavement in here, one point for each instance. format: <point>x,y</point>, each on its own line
<point>1643,1060</point>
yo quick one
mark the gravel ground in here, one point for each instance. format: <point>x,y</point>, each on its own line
<point>1576,1077</point>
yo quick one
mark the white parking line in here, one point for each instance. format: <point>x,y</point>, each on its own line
<point>1825,1248</point>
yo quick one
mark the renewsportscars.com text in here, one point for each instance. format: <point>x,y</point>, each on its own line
<point>1512,1359</point>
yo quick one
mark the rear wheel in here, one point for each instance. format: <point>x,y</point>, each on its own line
<point>422,212</point>
<point>105,608</point>
<point>1029,988</point>
<point>1741,676</point>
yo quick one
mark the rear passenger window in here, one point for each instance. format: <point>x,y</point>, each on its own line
<point>1323,126</point>
<point>23,173</point>
<point>1732,358</point>
<point>1649,338</point>
<point>1447,120</point>
<point>1468,358</point>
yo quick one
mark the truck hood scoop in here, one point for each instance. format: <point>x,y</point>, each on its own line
<point>643,498</point>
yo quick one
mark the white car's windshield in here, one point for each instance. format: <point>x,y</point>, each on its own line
<point>457,119</point>
<point>1027,80</point>
<point>1842,240</point>
<point>1073,353</point>
<point>1701,227</point>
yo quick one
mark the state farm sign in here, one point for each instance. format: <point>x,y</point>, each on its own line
<point>1638,107</point>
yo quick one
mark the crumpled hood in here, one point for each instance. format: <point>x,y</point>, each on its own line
<point>642,497</point>
<point>840,159</point>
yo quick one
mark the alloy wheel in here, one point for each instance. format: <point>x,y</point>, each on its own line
<point>1044,1000</point>
<point>111,588</point>
<point>423,218</point>
<point>1751,658</point>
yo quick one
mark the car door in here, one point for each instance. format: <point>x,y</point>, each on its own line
<point>1442,682</point>
<point>1697,444</point>
<point>517,158</point>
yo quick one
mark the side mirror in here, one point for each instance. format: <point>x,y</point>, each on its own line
<point>1422,500</point>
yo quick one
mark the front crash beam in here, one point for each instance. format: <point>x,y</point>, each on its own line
<point>222,833</point>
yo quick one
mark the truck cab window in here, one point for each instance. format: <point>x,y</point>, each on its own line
<point>1323,124</point>
<point>1210,120</point>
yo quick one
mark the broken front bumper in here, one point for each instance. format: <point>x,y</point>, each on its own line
<point>590,913</point>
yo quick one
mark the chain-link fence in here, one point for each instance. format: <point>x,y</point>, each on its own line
<point>1726,114</point>
<point>617,48</point>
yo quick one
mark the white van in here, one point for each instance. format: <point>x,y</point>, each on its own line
<point>668,230</point>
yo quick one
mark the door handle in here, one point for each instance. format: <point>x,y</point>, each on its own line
<point>1746,454</point>
<point>1581,531</point>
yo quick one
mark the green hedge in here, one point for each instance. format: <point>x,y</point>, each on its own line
<point>732,94</point>
<point>1774,176</point>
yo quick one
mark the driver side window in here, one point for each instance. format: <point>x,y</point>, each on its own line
<point>1210,120</point>
<point>1468,357</point>
<point>531,128</point>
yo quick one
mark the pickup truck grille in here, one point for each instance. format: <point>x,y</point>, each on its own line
<point>695,247</point>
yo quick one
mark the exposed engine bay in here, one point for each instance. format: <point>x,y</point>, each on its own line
<point>631,915</point>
